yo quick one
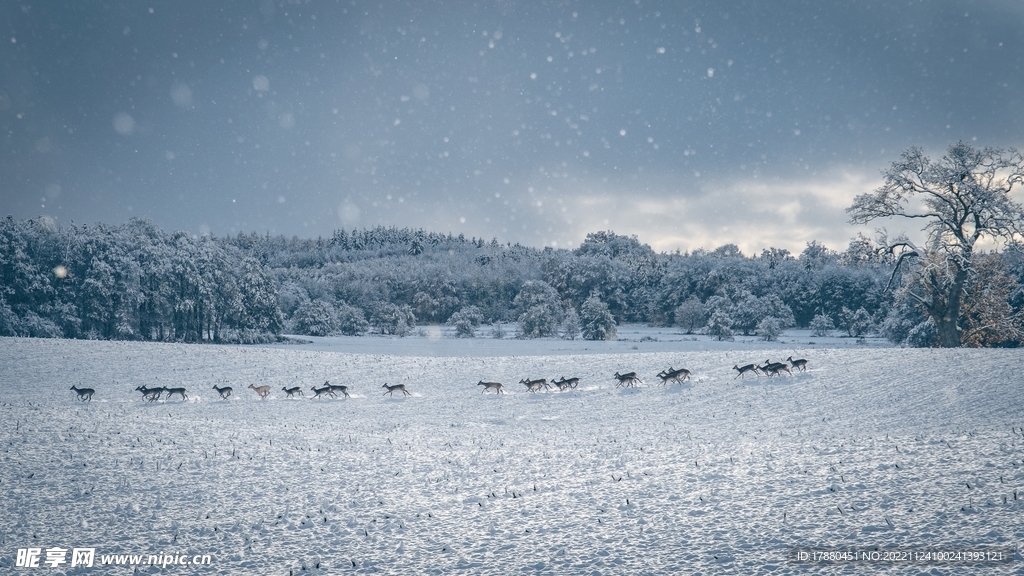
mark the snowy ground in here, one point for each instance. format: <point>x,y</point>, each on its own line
<point>872,446</point>
<point>441,341</point>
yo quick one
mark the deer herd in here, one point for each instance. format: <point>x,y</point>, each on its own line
<point>627,380</point>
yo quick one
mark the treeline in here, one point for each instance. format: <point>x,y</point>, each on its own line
<point>131,282</point>
<point>137,282</point>
<point>435,277</point>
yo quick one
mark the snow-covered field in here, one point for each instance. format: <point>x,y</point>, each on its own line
<point>872,446</point>
<point>441,341</point>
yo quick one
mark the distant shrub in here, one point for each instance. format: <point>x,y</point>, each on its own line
<point>497,331</point>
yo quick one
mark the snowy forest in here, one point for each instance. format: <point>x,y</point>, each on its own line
<point>136,282</point>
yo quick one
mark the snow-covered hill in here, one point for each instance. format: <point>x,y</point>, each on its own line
<point>871,446</point>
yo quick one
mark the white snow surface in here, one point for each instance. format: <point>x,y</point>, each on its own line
<point>871,446</point>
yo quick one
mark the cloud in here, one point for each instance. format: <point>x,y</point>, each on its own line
<point>663,211</point>
<point>751,213</point>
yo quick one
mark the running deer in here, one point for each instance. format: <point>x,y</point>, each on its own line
<point>496,386</point>
<point>291,392</point>
<point>173,391</point>
<point>800,364</point>
<point>673,375</point>
<point>628,379</point>
<point>773,368</point>
<point>744,369</point>
<point>151,394</point>
<point>565,383</point>
<point>224,392</point>
<point>392,387</point>
<point>318,392</point>
<point>534,385</point>
<point>335,388</point>
<point>84,394</point>
<point>572,382</point>
<point>262,391</point>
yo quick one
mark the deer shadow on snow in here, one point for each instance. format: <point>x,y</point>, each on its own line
<point>764,381</point>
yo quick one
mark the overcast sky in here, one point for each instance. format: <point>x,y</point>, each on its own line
<point>690,124</point>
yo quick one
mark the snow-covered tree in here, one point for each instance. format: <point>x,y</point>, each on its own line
<point>769,328</point>
<point>691,315</point>
<point>987,316</point>
<point>36,326</point>
<point>540,310</point>
<point>861,251</point>
<point>315,318</point>
<point>258,298</point>
<point>775,256</point>
<point>393,319</point>
<point>570,324</point>
<point>596,321</point>
<point>923,335</point>
<point>97,295</point>
<point>466,321</point>
<point>822,326</point>
<point>903,316</point>
<point>290,295</point>
<point>963,197</point>
<point>351,320</point>
<point>816,256</point>
<point>10,324</point>
<point>750,310</point>
<point>436,300</point>
<point>856,323</point>
<point>720,325</point>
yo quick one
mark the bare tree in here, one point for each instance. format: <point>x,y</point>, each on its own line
<point>963,197</point>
